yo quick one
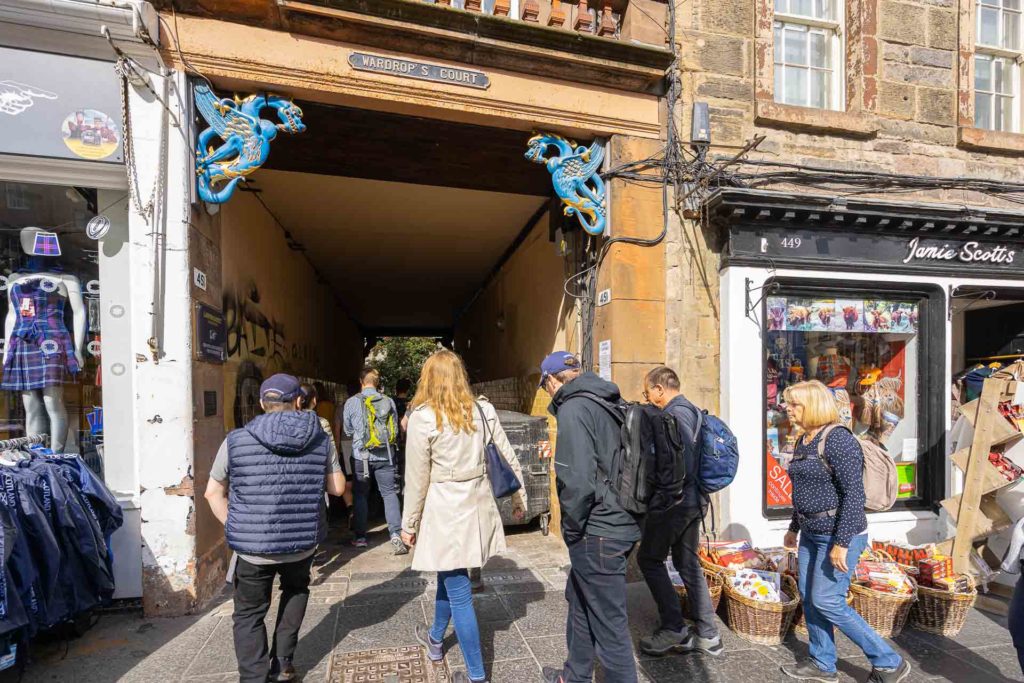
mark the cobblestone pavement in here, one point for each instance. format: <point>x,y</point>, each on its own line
<point>370,599</point>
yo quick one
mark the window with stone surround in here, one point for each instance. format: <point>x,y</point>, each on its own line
<point>998,53</point>
<point>809,59</point>
<point>816,65</point>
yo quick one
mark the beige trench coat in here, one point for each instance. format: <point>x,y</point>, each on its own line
<point>448,499</point>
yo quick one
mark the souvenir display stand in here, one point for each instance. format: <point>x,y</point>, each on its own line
<point>975,512</point>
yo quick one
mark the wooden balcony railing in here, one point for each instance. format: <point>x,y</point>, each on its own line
<point>606,18</point>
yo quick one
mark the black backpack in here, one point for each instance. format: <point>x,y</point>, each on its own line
<point>646,435</point>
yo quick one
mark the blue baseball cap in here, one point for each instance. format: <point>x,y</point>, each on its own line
<point>557,362</point>
<point>280,387</point>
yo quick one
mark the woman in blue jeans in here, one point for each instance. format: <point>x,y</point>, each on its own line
<point>828,514</point>
<point>451,519</point>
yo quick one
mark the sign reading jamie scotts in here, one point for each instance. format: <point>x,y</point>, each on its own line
<point>419,70</point>
<point>807,247</point>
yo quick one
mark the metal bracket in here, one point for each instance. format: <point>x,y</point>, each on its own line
<point>752,306</point>
<point>973,298</point>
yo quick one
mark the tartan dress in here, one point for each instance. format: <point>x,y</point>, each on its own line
<point>40,351</point>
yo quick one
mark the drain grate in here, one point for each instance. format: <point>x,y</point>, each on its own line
<point>387,665</point>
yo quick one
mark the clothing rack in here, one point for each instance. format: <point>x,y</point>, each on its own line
<point>14,444</point>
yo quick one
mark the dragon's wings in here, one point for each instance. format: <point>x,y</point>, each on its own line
<point>575,169</point>
<point>223,117</point>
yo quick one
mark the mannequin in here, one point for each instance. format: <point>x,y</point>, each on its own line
<point>40,353</point>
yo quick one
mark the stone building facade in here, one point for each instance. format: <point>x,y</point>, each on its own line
<point>882,121</point>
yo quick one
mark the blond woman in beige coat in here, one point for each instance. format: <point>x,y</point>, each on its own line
<point>451,518</point>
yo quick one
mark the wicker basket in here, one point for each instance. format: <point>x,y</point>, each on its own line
<point>715,583</point>
<point>941,612</point>
<point>800,624</point>
<point>765,623</point>
<point>885,612</point>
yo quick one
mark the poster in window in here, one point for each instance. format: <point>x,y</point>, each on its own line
<point>890,316</point>
<point>849,315</point>
<point>823,311</point>
<point>798,315</point>
<point>776,313</point>
<point>780,488</point>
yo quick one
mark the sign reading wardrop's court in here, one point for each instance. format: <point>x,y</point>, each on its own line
<point>419,70</point>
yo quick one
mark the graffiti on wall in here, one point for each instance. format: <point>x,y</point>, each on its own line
<point>258,344</point>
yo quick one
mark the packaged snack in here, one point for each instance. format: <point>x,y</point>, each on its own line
<point>954,584</point>
<point>750,584</point>
<point>935,568</point>
<point>882,576</point>
<point>782,560</point>
<point>731,554</point>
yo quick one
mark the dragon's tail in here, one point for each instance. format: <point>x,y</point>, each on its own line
<point>218,196</point>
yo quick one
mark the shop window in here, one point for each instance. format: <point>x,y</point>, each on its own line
<point>50,307</point>
<point>998,53</point>
<point>809,53</point>
<point>868,349</point>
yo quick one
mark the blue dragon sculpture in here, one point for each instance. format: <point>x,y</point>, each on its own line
<point>246,138</point>
<point>574,175</point>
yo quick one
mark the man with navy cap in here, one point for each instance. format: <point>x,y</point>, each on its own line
<point>598,531</point>
<point>267,487</point>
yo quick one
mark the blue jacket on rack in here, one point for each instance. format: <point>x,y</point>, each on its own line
<point>277,466</point>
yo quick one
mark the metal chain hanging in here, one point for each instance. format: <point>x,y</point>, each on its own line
<point>124,69</point>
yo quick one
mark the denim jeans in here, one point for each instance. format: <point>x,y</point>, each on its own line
<point>597,622</point>
<point>455,600</point>
<point>677,531</point>
<point>384,473</point>
<point>1016,619</point>
<point>823,590</point>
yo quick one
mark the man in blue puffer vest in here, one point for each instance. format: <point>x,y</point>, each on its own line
<point>267,487</point>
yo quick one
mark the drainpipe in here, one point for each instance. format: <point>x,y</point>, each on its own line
<point>129,21</point>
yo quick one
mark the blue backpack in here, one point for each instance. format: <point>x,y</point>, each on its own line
<point>718,455</point>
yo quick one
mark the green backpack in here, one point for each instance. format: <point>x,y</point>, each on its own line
<point>381,425</point>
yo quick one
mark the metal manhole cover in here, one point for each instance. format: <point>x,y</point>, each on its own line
<point>387,665</point>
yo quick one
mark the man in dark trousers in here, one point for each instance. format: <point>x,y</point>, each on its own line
<point>267,487</point>
<point>598,532</point>
<point>672,524</point>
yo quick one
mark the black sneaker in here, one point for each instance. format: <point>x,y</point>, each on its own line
<point>709,646</point>
<point>553,675</point>
<point>890,675</point>
<point>282,670</point>
<point>807,671</point>
<point>662,642</point>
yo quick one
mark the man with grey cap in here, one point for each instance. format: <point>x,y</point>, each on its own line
<point>267,487</point>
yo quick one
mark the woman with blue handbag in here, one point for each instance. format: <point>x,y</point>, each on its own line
<point>457,461</point>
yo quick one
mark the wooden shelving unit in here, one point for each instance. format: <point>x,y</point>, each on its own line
<point>976,513</point>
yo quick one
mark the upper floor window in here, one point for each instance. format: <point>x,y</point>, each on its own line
<point>998,53</point>
<point>16,197</point>
<point>809,53</point>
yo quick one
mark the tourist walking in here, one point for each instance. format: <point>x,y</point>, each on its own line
<point>451,518</point>
<point>309,399</point>
<point>828,515</point>
<point>672,526</point>
<point>267,487</point>
<point>598,532</point>
<point>371,419</point>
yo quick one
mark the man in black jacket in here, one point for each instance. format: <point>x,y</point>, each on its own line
<point>673,525</point>
<point>598,532</point>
